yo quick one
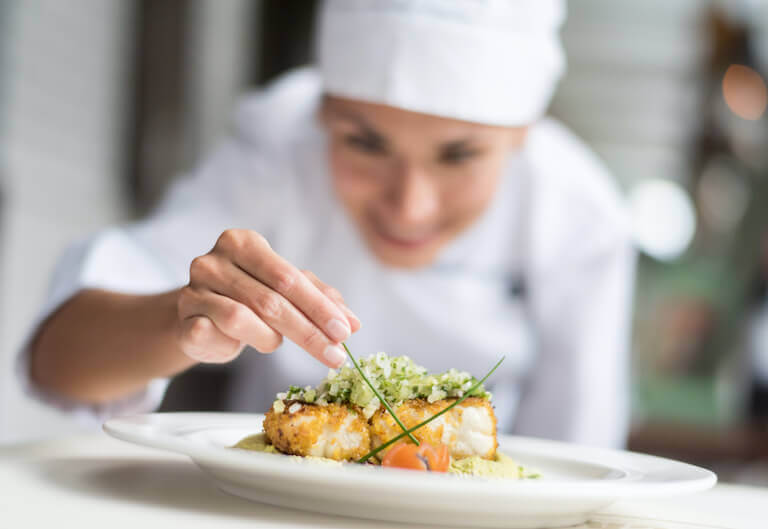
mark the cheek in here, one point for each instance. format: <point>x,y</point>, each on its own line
<point>356,182</point>
<point>466,202</point>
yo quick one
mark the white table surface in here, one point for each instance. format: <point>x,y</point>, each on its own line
<point>95,481</point>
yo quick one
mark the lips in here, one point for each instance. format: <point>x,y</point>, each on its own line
<point>410,242</point>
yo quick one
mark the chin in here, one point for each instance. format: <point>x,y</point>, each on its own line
<point>411,262</point>
<point>398,254</point>
<point>393,257</point>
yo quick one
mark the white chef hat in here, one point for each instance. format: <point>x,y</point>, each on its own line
<point>487,61</point>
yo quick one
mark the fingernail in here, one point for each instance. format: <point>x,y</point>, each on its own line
<point>334,356</point>
<point>338,330</point>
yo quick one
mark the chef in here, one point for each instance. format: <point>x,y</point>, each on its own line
<point>406,194</point>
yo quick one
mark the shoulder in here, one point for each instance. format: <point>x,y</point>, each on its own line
<point>279,114</point>
<point>250,172</point>
<point>568,175</point>
<point>280,143</point>
<point>270,130</point>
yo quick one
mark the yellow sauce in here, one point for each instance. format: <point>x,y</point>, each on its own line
<point>259,443</point>
<point>502,466</point>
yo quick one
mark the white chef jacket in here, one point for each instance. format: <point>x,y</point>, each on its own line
<point>544,276</point>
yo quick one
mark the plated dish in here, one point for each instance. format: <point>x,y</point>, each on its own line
<point>389,411</point>
<point>575,480</point>
<point>288,464</point>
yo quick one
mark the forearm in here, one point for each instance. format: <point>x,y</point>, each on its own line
<point>102,345</point>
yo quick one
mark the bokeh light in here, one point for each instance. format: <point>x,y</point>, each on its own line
<point>723,196</point>
<point>744,92</point>
<point>663,218</point>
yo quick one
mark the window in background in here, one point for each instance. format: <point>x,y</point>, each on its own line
<point>65,73</point>
<point>676,108</point>
<point>286,36</point>
<point>693,363</point>
<point>182,112</point>
<point>5,8</point>
<point>156,150</point>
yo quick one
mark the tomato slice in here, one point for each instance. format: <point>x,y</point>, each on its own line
<point>424,457</point>
<point>439,459</point>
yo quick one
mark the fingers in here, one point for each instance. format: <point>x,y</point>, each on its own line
<point>202,341</point>
<point>285,279</point>
<point>251,252</point>
<point>247,293</point>
<point>233,319</point>
<point>278,313</point>
<point>336,296</point>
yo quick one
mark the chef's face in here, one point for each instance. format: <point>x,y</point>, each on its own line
<point>412,182</point>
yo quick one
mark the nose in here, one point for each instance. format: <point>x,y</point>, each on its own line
<point>415,197</point>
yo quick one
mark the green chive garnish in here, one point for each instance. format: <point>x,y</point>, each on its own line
<point>379,396</point>
<point>408,432</point>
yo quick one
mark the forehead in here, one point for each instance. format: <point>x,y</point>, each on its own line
<point>393,121</point>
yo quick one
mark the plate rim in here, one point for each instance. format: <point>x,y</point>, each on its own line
<point>144,430</point>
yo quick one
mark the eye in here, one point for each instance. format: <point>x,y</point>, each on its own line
<point>366,144</point>
<point>457,156</point>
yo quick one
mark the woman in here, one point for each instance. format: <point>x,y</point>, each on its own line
<point>412,171</point>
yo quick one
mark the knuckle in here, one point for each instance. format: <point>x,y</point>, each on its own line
<point>310,274</point>
<point>333,293</point>
<point>313,340</point>
<point>234,318</point>
<point>235,241</point>
<point>259,240</point>
<point>198,330</point>
<point>230,240</point>
<point>202,267</point>
<point>269,306</point>
<point>285,280</point>
<point>184,298</point>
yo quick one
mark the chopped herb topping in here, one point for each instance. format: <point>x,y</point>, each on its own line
<point>397,379</point>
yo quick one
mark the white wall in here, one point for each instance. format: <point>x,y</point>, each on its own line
<point>632,88</point>
<point>65,95</point>
<point>221,57</point>
<point>65,87</point>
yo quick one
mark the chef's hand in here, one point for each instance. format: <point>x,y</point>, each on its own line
<point>242,293</point>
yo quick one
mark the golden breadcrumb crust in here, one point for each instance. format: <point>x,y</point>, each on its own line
<point>412,412</point>
<point>298,433</point>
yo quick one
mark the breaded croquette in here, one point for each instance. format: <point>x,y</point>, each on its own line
<point>468,429</point>
<point>335,431</point>
<point>340,432</point>
<point>343,418</point>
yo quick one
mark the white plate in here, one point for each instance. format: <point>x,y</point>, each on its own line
<point>576,480</point>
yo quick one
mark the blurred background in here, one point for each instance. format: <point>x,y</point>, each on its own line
<point>104,102</point>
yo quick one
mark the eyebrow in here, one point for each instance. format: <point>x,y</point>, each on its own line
<point>360,121</point>
<point>464,143</point>
<point>350,115</point>
<point>354,117</point>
